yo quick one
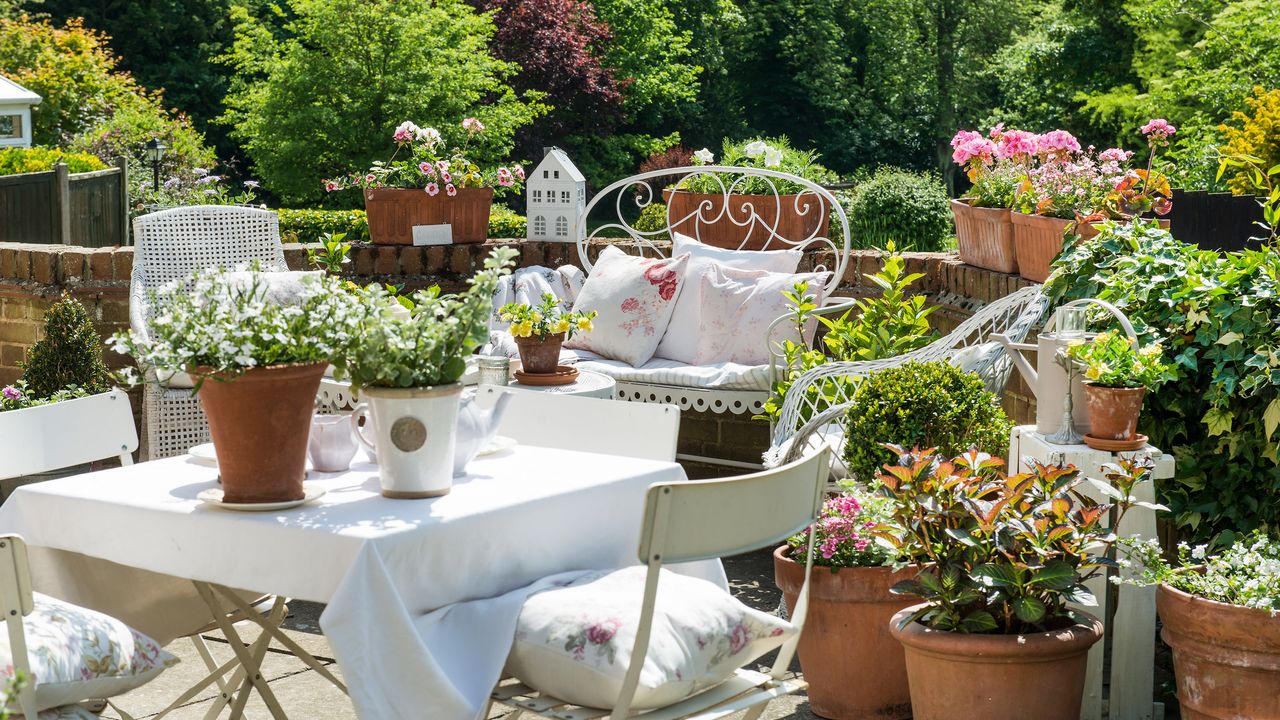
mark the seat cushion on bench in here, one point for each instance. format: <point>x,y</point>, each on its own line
<point>660,371</point>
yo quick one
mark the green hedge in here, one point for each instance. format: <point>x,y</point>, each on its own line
<point>306,226</point>
<point>16,160</point>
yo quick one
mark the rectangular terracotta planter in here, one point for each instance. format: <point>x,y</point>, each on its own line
<point>1039,239</point>
<point>984,237</point>
<point>758,217</point>
<point>393,212</point>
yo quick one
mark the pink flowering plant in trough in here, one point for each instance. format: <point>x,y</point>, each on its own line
<point>422,160</point>
<point>995,164</point>
<point>845,535</point>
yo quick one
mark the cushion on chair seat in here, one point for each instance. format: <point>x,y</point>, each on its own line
<point>77,654</point>
<point>660,371</point>
<point>574,642</point>
<point>175,379</point>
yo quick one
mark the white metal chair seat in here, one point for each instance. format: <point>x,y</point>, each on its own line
<point>747,688</point>
<point>825,386</point>
<point>170,246</point>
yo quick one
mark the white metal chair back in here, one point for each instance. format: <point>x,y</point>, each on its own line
<point>646,431</point>
<point>71,432</point>
<point>17,602</point>
<point>772,193</point>
<point>701,519</point>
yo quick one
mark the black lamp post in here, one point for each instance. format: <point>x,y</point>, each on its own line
<point>155,153</point>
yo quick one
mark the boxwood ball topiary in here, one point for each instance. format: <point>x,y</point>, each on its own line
<point>906,208</point>
<point>921,405</point>
<point>69,354</point>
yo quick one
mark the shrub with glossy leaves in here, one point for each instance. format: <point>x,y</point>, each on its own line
<point>917,404</point>
<point>907,208</point>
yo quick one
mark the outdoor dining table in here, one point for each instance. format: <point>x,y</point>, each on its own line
<point>422,595</point>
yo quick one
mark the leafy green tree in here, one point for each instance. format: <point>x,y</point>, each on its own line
<point>324,97</point>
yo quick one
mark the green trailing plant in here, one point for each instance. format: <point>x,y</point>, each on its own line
<point>1219,412</point>
<point>1007,554</point>
<point>430,346</point>
<point>877,327</point>
<point>916,404</point>
<point>69,355</point>
<point>906,208</point>
<point>1246,574</point>
<point>331,254</point>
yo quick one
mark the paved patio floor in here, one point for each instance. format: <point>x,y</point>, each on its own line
<point>305,695</point>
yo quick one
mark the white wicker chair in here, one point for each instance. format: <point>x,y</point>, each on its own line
<point>805,410</point>
<point>172,244</point>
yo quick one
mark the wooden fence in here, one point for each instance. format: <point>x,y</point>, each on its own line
<point>1216,221</point>
<point>56,207</point>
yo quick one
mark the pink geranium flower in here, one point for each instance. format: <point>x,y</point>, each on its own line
<point>976,148</point>
<point>1057,142</point>
<point>1117,155</point>
<point>472,125</point>
<point>432,189</point>
<point>1159,127</point>
<point>450,190</point>
<point>1017,144</point>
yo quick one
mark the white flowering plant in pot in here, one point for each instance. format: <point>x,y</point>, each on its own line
<point>763,153</point>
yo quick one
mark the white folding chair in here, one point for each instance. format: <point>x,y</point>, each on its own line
<point>646,431</point>
<point>700,520</point>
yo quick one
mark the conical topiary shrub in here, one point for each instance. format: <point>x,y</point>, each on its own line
<point>70,354</point>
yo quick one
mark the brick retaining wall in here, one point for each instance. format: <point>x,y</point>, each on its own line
<point>32,277</point>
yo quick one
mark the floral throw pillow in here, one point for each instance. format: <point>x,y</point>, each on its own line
<point>574,642</point>
<point>77,654</point>
<point>738,306</point>
<point>634,297</point>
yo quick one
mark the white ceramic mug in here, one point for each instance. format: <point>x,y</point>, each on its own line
<point>332,444</point>
<point>415,431</point>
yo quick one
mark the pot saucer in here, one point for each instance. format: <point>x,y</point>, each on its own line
<point>203,454</point>
<point>563,375</point>
<point>213,496</point>
<point>1138,442</point>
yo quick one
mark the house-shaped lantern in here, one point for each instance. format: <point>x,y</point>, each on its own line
<point>557,196</point>
<point>15,113</point>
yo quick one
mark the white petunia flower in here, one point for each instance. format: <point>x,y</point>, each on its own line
<point>704,157</point>
<point>772,157</point>
<point>755,149</point>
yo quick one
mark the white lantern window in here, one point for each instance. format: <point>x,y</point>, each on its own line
<point>539,225</point>
<point>562,226</point>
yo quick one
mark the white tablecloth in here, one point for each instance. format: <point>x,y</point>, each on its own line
<point>422,594</point>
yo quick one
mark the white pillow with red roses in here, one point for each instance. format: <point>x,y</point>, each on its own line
<point>634,298</point>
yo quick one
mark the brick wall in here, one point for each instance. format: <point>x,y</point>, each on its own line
<point>33,276</point>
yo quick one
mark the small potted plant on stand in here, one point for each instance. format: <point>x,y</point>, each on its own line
<point>854,666</point>
<point>1221,616</point>
<point>996,638</point>
<point>257,362</point>
<point>1117,374</point>
<point>426,195</point>
<point>406,371</point>
<point>995,166</point>
<point>716,208</point>
<point>539,331</point>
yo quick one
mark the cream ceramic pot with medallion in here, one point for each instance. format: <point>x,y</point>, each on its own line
<point>416,434</point>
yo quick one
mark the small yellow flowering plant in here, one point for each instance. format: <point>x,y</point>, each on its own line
<point>545,319</point>
<point>1113,360</point>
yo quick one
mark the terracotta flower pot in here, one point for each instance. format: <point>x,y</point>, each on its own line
<point>1038,240</point>
<point>704,216</point>
<point>540,355</point>
<point>1226,658</point>
<point>959,676</point>
<point>854,666</point>
<point>260,423</point>
<point>984,237</point>
<point>394,212</point>
<point>1113,412</point>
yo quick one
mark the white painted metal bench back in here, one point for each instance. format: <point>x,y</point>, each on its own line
<point>634,430</point>
<point>67,433</point>
<point>698,520</point>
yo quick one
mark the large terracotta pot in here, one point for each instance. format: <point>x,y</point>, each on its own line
<point>854,666</point>
<point>984,237</point>
<point>393,213</point>
<point>1226,658</point>
<point>1037,240</point>
<point>1113,412</point>
<point>540,355</point>
<point>959,676</point>
<point>260,422</point>
<point>791,217</point>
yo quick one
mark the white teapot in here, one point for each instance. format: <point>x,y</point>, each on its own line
<point>476,429</point>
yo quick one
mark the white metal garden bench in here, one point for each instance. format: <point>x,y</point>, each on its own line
<point>684,386</point>
<point>171,245</point>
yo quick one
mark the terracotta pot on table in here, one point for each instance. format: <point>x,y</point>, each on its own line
<point>1226,658</point>
<point>540,355</point>
<point>855,668</point>
<point>1113,412</point>
<point>260,422</point>
<point>960,676</point>
<point>984,237</point>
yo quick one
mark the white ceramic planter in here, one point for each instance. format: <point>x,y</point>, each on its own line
<point>415,434</point>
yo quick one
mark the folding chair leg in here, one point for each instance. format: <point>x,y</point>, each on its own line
<point>207,656</point>
<point>755,712</point>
